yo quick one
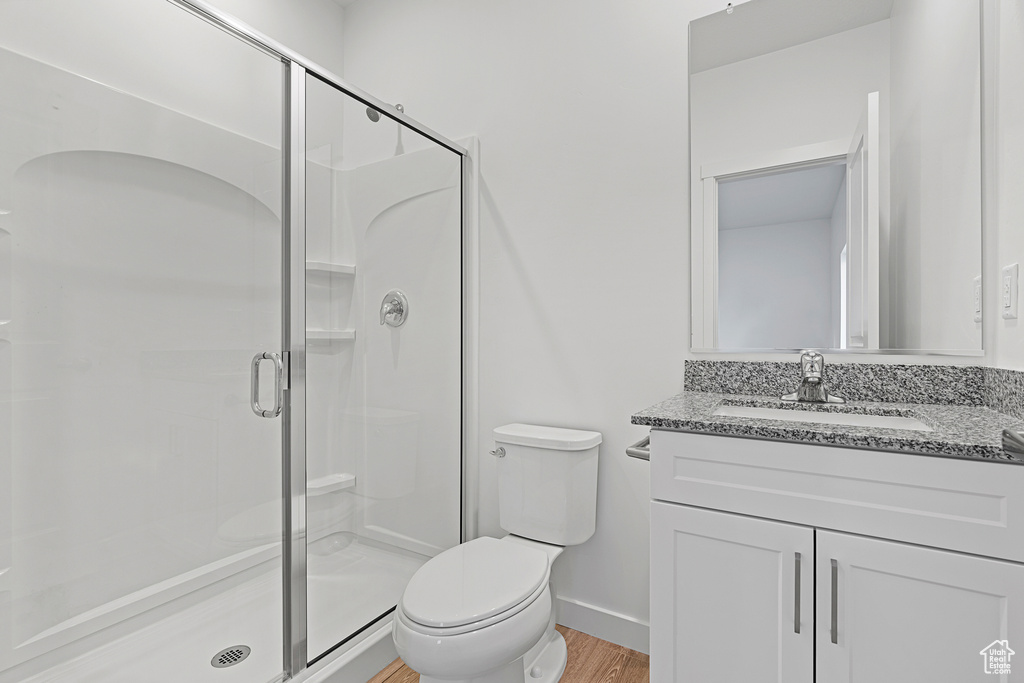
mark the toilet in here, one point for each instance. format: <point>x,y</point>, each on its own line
<point>482,612</point>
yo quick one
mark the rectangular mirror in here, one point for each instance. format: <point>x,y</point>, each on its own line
<point>835,176</point>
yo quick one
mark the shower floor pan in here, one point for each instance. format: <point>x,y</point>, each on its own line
<point>348,589</point>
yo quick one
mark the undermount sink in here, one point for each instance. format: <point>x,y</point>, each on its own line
<point>823,417</point>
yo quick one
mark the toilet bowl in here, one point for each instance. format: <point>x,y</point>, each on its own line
<point>474,610</point>
<point>481,612</point>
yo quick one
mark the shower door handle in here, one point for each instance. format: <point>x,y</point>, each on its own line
<point>278,384</point>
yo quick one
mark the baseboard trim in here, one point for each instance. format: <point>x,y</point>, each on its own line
<point>603,623</point>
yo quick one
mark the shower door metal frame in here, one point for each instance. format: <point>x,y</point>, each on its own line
<point>293,457</point>
<point>293,343</point>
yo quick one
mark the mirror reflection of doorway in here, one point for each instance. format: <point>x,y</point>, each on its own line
<point>781,236</point>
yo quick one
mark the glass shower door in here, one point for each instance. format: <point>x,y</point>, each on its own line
<point>140,272</point>
<point>383,380</point>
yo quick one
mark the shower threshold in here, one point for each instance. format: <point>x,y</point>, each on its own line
<point>348,589</point>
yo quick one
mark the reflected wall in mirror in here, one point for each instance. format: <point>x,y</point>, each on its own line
<point>835,158</point>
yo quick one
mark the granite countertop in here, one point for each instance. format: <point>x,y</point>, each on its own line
<point>960,431</point>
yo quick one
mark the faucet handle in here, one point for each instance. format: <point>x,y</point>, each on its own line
<point>394,309</point>
<point>812,384</point>
<point>812,364</point>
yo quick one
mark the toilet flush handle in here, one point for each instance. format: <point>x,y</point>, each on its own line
<point>498,452</point>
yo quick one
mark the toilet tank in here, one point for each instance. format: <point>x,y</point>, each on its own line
<point>547,482</point>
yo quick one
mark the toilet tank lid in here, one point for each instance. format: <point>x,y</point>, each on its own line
<point>555,438</point>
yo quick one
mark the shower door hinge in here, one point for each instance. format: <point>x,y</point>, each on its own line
<point>286,370</point>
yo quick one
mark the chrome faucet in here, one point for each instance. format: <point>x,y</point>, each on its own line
<point>812,384</point>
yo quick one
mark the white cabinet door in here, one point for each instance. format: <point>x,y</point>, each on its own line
<point>724,602</point>
<point>911,614</point>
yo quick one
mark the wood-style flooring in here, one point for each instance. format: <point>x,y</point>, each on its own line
<point>591,660</point>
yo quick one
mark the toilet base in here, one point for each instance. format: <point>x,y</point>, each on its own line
<point>510,673</point>
<point>546,667</point>
<point>549,665</point>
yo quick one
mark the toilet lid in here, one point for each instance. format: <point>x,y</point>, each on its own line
<point>474,581</point>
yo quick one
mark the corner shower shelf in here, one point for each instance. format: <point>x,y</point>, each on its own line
<point>330,484</point>
<point>328,268</point>
<point>330,335</point>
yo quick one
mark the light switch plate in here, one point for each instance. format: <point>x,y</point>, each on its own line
<point>977,299</point>
<point>1008,291</point>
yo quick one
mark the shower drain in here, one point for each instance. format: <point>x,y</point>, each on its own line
<point>230,656</point>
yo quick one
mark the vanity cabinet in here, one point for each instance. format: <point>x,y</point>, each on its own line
<point>907,613</point>
<point>795,563</point>
<point>724,604</point>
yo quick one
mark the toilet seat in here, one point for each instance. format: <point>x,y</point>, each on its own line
<point>474,585</point>
<point>438,632</point>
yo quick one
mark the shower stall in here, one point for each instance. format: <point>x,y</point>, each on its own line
<point>231,348</point>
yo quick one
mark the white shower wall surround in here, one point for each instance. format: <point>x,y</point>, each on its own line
<point>140,271</point>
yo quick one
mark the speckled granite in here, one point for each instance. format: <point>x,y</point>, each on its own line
<point>1004,391</point>
<point>936,384</point>
<point>960,431</point>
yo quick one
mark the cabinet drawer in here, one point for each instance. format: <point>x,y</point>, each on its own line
<point>970,506</point>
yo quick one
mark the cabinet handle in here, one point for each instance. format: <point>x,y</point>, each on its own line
<point>835,602</point>
<point>796,593</point>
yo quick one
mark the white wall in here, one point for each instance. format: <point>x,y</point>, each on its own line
<point>774,286</point>
<point>1005,164</point>
<point>580,108</point>
<point>935,245</point>
<point>310,27</point>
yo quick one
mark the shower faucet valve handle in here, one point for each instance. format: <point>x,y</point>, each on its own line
<point>394,309</point>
